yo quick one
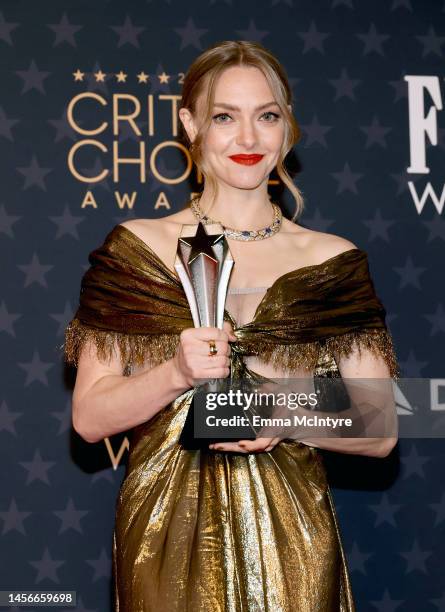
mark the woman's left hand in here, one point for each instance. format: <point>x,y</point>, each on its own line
<point>246,446</point>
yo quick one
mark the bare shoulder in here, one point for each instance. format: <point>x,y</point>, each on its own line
<point>145,229</point>
<point>160,235</point>
<point>139,225</point>
<point>323,246</point>
<point>150,229</point>
<point>318,246</point>
<point>166,223</point>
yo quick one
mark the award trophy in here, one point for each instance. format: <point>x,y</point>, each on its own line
<point>203,264</point>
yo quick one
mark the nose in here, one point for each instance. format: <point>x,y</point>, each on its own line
<point>246,136</point>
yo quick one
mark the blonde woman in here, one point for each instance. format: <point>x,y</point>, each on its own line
<point>246,525</point>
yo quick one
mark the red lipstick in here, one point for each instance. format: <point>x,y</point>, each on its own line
<point>247,160</point>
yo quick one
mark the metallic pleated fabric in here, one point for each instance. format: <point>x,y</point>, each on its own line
<point>209,531</point>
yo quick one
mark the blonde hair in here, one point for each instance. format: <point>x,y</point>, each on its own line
<point>202,76</point>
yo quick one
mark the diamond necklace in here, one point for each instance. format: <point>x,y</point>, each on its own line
<point>229,232</point>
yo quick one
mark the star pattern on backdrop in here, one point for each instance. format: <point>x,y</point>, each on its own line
<point>64,418</point>
<point>412,367</point>
<point>67,223</point>
<point>316,133</point>
<point>8,418</point>
<point>33,78</point>
<point>437,320</point>
<point>6,29</point>
<point>101,566</point>
<point>347,179</point>
<point>64,31</point>
<point>7,320</point>
<point>128,33</point>
<point>386,603</point>
<point>63,129</point>
<point>439,510</point>
<point>70,517</point>
<point>7,221</point>
<point>37,468</point>
<point>253,33</point>
<point>36,369</point>
<point>6,125</point>
<point>375,133</point>
<point>435,226</point>
<point>63,318</point>
<point>416,558</point>
<point>409,274</point>
<point>47,568</point>
<point>34,174</point>
<point>431,42</point>
<point>385,511</point>
<point>313,39</point>
<point>190,35</point>
<point>13,519</point>
<point>373,41</point>
<point>35,272</point>
<point>344,86</point>
<point>378,227</point>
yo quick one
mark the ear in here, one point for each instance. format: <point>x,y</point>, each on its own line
<point>188,122</point>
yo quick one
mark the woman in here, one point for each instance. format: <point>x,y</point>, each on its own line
<point>247,525</point>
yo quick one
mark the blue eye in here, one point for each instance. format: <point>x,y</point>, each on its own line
<point>275,117</point>
<point>218,116</point>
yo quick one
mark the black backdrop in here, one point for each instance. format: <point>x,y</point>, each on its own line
<point>347,62</point>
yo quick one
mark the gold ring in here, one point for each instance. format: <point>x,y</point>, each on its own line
<point>212,348</point>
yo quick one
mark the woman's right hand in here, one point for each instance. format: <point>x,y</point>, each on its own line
<point>192,360</point>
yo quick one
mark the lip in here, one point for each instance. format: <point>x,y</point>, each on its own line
<point>247,160</point>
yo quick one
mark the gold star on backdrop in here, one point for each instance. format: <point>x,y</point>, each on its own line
<point>121,77</point>
<point>100,76</point>
<point>163,78</point>
<point>78,76</point>
<point>142,77</point>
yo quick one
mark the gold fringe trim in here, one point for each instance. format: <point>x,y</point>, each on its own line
<point>377,341</point>
<point>319,356</point>
<point>152,350</point>
<point>132,349</point>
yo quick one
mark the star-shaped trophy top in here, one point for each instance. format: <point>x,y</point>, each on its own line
<point>201,243</point>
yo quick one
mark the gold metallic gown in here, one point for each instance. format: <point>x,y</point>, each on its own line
<point>208,531</point>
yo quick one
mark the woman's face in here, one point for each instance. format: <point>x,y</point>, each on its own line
<point>245,121</point>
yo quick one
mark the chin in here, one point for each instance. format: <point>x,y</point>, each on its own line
<point>247,185</point>
<point>246,182</point>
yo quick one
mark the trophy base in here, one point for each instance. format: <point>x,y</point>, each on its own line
<point>189,440</point>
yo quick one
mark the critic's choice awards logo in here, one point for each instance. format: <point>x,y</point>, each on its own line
<point>127,137</point>
<point>124,132</point>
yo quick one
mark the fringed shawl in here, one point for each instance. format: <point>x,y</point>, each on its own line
<point>132,303</point>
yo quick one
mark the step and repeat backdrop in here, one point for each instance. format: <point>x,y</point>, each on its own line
<point>89,137</point>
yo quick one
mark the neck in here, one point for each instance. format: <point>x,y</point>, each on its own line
<point>238,209</point>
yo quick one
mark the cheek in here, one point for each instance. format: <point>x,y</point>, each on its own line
<point>274,138</point>
<point>217,140</point>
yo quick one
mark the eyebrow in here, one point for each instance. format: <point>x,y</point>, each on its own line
<point>236,108</point>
